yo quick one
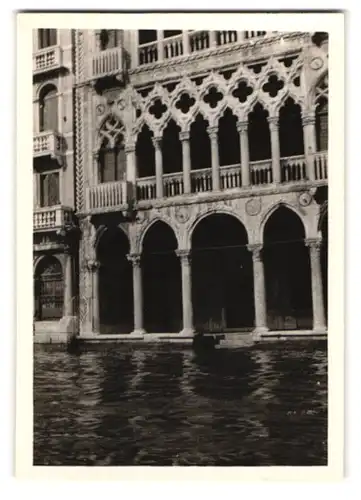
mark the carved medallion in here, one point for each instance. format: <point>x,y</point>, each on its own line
<point>316,63</point>
<point>253,206</point>
<point>100,109</point>
<point>305,199</point>
<point>182,214</point>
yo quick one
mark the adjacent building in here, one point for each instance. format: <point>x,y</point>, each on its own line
<point>180,181</point>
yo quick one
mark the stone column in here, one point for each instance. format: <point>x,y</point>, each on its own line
<point>319,323</point>
<point>309,141</point>
<point>185,259</point>
<point>135,259</point>
<point>160,38</point>
<point>259,289</point>
<point>94,266</point>
<point>157,141</point>
<point>242,128</point>
<point>212,39</point>
<point>275,148</point>
<point>186,45</point>
<point>184,137</point>
<point>213,134</point>
<point>68,283</point>
<point>131,163</point>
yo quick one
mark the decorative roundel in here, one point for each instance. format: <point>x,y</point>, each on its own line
<point>316,63</point>
<point>253,206</point>
<point>305,199</point>
<point>121,104</point>
<point>100,109</point>
<point>182,214</point>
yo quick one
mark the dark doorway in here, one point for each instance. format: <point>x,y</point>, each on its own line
<point>115,283</point>
<point>49,290</point>
<point>287,272</point>
<point>161,280</point>
<point>222,275</point>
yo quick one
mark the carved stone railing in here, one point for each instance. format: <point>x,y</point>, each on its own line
<point>320,165</point>
<point>261,172</point>
<point>231,176</point>
<point>48,59</point>
<point>201,180</point>
<point>148,53</point>
<point>51,217</point>
<point>199,40</point>
<point>108,195</point>
<point>106,63</point>
<point>173,184</point>
<point>48,143</point>
<point>173,47</point>
<point>146,188</point>
<point>293,168</point>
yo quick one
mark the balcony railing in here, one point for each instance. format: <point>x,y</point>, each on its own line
<point>48,59</point>
<point>48,143</point>
<point>106,63</point>
<point>51,217</point>
<point>321,165</point>
<point>197,40</point>
<point>107,195</point>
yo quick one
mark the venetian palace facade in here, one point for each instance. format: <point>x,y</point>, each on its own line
<point>180,182</point>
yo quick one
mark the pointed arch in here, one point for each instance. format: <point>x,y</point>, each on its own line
<point>273,209</point>
<point>48,108</point>
<point>162,219</point>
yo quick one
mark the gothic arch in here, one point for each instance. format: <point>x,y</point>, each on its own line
<point>42,87</point>
<point>159,218</point>
<point>101,230</point>
<point>311,96</point>
<point>186,244</point>
<point>266,216</point>
<point>37,261</point>
<point>119,127</point>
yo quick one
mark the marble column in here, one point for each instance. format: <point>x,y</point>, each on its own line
<point>131,163</point>
<point>319,323</point>
<point>186,153</point>
<point>68,284</point>
<point>309,141</point>
<point>242,128</point>
<point>213,134</point>
<point>259,289</point>
<point>212,39</point>
<point>94,266</point>
<point>160,38</point>
<point>185,259</point>
<point>157,142</point>
<point>186,44</point>
<point>275,149</point>
<point>135,259</point>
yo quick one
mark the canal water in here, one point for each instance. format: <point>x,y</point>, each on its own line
<point>165,405</point>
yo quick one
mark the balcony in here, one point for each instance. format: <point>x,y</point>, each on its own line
<point>192,42</point>
<point>47,60</point>
<point>48,143</point>
<point>51,217</point>
<point>109,196</point>
<point>105,64</point>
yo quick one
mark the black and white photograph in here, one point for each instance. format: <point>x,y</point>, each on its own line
<point>180,244</point>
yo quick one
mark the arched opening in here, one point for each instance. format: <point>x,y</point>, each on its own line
<point>290,129</point>
<point>171,148</point>
<point>259,138</point>
<point>228,140</point>
<point>324,261</point>
<point>48,289</point>
<point>322,124</point>
<point>287,272</point>
<point>112,161</point>
<point>200,145</point>
<point>48,108</point>
<point>222,275</point>
<point>161,280</point>
<point>145,153</point>
<point>115,283</point>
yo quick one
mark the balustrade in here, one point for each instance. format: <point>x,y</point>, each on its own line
<point>225,37</point>
<point>201,180</point>
<point>173,46</point>
<point>320,165</point>
<point>47,59</point>
<point>230,177</point>
<point>107,195</point>
<point>261,172</point>
<point>199,40</point>
<point>48,143</point>
<point>173,184</point>
<point>106,63</point>
<point>146,188</point>
<point>51,217</point>
<point>148,53</point>
<point>293,168</point>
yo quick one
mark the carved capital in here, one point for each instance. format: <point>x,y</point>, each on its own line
<point>129,148</point>
<point>273,122</point>
<point>242,126</point>
<point>213,133</point>
<point>95,155</point>
<point>256,249</point>
<point>92,265</point>
<point>184,255</point>
<point>309,119</point>
<point>184,136</point>
<point>157,142</point>
<point>314,243</point>
<point>135,259</point>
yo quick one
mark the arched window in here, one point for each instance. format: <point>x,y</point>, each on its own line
<point>48,108</point>
<point>112,161</point>
<point>109,39</point>
<point>49,289</point>
<point>47,38</point>
<point>49,189</point>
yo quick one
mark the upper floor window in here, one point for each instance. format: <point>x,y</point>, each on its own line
<point>48,108</point>
<point>112,161</point>
<point>49,189</point>
<point>47,38</point>
<point>109,39</point>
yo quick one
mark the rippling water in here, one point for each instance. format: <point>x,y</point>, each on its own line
<point>165,405</point>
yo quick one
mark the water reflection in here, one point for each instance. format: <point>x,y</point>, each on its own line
<point>165,405</point>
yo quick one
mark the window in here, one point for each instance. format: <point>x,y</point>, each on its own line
<point>109,39</point>
<point>48,109</point>
<point>49,189</point>
<point>49,289</point>
<point>147,36</point>
<point>112,161</point>
<point>47,38</point>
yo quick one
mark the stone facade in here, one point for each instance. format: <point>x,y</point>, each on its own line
<point>119,94</point>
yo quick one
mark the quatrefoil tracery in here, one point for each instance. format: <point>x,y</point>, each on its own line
<point>185,103</point>
<point>242,91</point>
<point>158,109</point>
<point>213,97</point>
<point>273,85</point>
